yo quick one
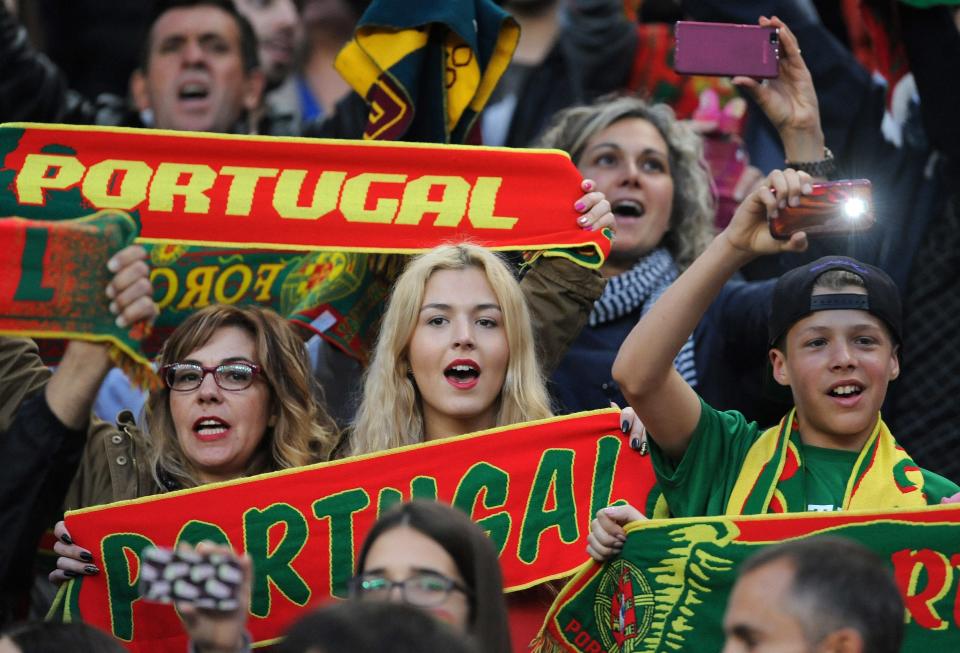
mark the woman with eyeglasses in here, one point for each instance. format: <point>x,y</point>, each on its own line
<point>425,554</point>
<point>237,400</point>
<point>431,555</point>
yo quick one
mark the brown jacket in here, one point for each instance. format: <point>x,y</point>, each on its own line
<point>114,465</point>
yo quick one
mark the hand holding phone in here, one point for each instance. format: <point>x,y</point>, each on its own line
<point>832,208</point>
<point>206,580</point>
<point>725,49</point>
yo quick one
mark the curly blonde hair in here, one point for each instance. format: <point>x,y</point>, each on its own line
<point>691,218</point>
<point>303,432</point>
<point>391,414</point>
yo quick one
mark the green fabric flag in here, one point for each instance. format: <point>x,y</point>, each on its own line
<point>668,589</point>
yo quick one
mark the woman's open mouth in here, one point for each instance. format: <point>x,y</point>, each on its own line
<point>462,374</point>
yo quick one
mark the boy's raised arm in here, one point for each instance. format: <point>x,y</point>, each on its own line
<point>668,407</point>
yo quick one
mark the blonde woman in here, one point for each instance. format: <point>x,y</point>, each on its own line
<point>455,354</point>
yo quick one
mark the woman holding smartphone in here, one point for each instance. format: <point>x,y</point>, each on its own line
<point>649,166</point>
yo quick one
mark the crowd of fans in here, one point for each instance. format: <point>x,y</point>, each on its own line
<point>689,328</point>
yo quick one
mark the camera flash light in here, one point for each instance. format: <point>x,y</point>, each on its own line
<point>854,207</point>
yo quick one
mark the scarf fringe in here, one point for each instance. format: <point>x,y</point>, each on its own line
<point>545,643</point>
<point>141,375</point>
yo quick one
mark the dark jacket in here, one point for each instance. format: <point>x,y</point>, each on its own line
<point>730,348</point>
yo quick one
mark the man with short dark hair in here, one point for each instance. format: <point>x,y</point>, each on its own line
<point>824,594</point>
<point>199,71</point>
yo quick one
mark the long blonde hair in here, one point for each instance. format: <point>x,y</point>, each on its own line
<point>390,414</point>
<point>303,432</point>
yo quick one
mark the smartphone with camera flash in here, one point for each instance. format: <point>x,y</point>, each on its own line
<point>833,208</point>
<point>208,580</point>
<point>726,49</point>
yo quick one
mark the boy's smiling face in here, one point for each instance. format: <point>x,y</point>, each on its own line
<point>838,364</point>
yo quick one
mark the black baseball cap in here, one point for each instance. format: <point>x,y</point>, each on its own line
<point>793,297</point>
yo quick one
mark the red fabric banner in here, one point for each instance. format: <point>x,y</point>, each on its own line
<point>295,193</point>
<point>302,527</point>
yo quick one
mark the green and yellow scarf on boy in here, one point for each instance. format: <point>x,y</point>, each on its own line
<point>771,479</point>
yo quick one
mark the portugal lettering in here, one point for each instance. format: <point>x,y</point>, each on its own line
<point>287,193</point>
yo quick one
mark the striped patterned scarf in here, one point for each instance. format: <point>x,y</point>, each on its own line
<point>638,288</point>
<point>771,479</point>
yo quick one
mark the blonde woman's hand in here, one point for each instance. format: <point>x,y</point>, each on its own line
<point>594,208</point>
<point>748,231</point>
<point>633,429</point>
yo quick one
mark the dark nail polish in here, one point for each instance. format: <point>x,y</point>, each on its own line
<point>69,573</point>
<point>66,539</point>
<point>644,447</point>
<point>625,426</point>
<point>90,569</point>
<point>635,443</point>
<point>85,556</point>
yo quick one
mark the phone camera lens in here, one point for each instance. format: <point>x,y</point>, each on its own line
<point>774,37</point>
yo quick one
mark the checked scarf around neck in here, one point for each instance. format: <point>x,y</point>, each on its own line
<point>638,288</point>
<point>884,476</point>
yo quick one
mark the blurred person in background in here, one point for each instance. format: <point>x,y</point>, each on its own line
<point>280,39</point>
<point>198,71</point>
<point>825,594</point>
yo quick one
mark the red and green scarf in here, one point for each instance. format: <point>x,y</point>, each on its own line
<point>331,213</point>
<point>53,278</point>
<point>668,589</point>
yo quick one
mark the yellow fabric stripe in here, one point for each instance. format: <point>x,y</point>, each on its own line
<point>371,53</point>
<point>877,487</point>
<point>762,452</point>
<point>466,78</point>
<point>502,54</point>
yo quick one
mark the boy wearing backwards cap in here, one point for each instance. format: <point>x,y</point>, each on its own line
<point>835,331</point>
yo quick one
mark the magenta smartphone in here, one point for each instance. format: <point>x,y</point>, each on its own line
<point>833,208</point>
<point>726,49</point>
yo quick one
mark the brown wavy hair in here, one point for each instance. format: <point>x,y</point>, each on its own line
<point>303,432</point>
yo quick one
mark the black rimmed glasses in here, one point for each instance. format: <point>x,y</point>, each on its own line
<point>424,590</point>
<point>184,377</point>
